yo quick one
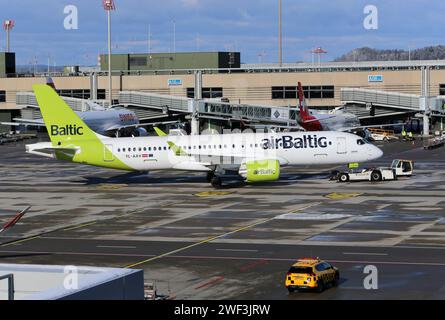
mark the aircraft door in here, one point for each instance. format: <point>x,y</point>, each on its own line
<point>341,146</point>
<point>108,153</point>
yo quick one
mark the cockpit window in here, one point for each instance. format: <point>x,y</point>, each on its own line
<point>361,142</point>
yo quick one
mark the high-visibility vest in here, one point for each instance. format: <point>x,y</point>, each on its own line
<point>403,133</point>
<point>410,134</point>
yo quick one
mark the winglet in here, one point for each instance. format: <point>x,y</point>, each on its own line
<point>14,220</point>
<point>177,150</point>
<point>159,132</point>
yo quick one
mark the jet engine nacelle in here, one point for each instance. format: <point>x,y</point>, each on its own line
<point>140,132</point>
<point>260,170</point>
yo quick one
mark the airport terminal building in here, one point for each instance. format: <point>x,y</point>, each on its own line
<point>223,76</point>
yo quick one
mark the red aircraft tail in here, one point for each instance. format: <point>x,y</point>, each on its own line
<point>304,112</point>
<point>14,220</point>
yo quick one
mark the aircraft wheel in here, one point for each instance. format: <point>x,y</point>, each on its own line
<point>216,182</point>
<point>210,176</point>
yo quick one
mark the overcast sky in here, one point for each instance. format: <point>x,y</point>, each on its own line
<point>248,26</point>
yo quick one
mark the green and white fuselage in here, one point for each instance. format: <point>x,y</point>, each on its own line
<point>260,154</point>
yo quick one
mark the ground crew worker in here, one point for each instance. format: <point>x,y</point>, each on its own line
<point>410,136</point>
<point>403,134</point>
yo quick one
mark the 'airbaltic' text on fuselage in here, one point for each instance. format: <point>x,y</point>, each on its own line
<point>288,142</point>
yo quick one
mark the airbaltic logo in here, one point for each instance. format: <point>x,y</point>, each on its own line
<point>264,172</point>
<point>68,130</point>
<point>289,142</point>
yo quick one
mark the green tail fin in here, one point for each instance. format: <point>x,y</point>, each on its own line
<point>63,124</point>
<point>67,129</point>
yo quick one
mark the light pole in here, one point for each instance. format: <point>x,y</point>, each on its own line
<point>8,25</point>
<point>280,33</point>
<point>108,6</point>
<point>174,36</point>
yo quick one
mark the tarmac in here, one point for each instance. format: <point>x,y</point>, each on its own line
<point>238,242</point>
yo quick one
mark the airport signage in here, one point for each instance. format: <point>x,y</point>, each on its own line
<point>280,114</point>
<point>174,82</point>
<point>375,78</point>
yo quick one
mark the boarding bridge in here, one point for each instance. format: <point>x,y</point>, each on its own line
<point>149,106</point>
<point>360,102</point>
<point>209,108</point>
<point>403,101</point>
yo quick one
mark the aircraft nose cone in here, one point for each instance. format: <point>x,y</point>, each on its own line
<point>376,152</point>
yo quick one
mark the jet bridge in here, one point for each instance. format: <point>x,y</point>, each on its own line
<point>152,106</point>
<point>210,109</point>
<point>367,103</point>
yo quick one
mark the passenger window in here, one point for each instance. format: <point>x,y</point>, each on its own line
<point>154,148</point>
<point>123,150</point>
<point>165,148</point>
<point>149,148</point>
<point>134,149</point>
<point>140,149</point>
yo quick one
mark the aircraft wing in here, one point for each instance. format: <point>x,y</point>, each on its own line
<point>373,126</point>
<point>117,127</point>
<point>319,118</point>
<point>14,220</point>
<point>203,153</point>
<point>25,122</point>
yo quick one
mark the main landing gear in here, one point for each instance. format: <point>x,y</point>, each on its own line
<point>215,180</point>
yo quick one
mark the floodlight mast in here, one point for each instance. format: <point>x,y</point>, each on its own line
<point>8,25</point>
<point>108,6</point>
<point>280,33</point>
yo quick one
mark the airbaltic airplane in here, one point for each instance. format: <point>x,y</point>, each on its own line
<point>255,156</point>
